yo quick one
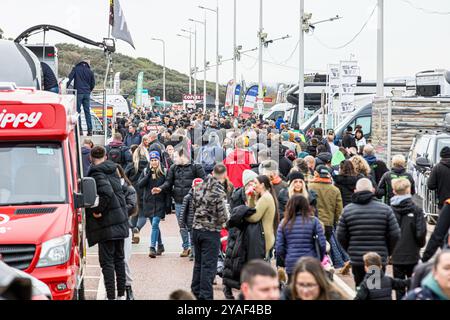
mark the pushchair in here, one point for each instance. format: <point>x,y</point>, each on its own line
<point>223,249</point>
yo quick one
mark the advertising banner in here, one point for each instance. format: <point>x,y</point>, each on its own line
<point>250,100</point>
<point>237,96</point>
<point>140,84</point>
<point>229,95</point>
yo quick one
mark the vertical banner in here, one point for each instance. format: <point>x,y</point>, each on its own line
<point>117,83</point>
<point>140,84</point>
<point>237,96</point>
<point>229,95</point>
<point>349,73</point>
<point>333,87</point>
<point>250,101</point>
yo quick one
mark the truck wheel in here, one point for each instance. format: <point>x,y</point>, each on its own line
<point>79,293</point>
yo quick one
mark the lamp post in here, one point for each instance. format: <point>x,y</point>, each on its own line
<point>204,61</point>
<point>164,66</point>
<point>190,59</point>
<point>194,70</point>
<point>216,11</point>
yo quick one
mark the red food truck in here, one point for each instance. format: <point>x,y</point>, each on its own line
<point>42,190</point>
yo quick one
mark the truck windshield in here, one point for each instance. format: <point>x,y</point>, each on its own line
<point>31,174</point>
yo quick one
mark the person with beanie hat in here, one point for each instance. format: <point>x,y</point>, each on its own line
<point>296,186</point>
<point>440,176</point>
<point>239,196</point>
<point>285,141</point>
<point>155,205</point>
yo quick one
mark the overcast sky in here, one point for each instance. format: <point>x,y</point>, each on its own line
<point>414,40</point>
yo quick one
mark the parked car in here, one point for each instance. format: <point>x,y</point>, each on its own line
<point>423,155</point>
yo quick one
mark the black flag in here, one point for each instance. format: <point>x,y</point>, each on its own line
<point>119,26</point>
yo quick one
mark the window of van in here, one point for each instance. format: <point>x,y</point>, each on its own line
<point>275,115</point>
<point>420,148</point>
<point>441,143</point>
<point>366,123</point>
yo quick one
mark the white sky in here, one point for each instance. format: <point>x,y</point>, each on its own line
<point>414,41</point>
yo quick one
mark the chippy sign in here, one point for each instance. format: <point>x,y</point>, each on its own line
<point>12,120</point>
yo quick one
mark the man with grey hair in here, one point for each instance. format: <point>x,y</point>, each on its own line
<point>367,225</point>
<point>377,167</point>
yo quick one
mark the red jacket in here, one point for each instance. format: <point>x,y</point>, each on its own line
<point>236,163</point>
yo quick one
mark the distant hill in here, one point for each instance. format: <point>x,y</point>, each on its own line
<point>176,82</point>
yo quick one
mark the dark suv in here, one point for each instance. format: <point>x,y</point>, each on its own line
<point>423,155</point>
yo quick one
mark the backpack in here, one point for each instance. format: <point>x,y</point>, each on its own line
<point>208,157</point>
<point>115,154</point>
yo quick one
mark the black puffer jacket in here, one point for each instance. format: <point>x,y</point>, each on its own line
<point>187,211</point>
<point>441,230</point>
<point>113,224</point>
<point>134,176</point>
<point>367,225</point>
<point>439,180</point>
<point>283,199</point>
<point>346,185</point>
<point>413,228</point>
<point>155,205</point>
<point>367,291</point>
<point>385,185</point>
<point>238,198</point>
<point>180,178</point>
<point>245,242</point>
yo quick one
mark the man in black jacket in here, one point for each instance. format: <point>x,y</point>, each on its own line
<point>179,182</point>
<point>441,230</point>
<point>348,140</point>
<point>84,83</point>
<point>377,167</point>
<point>367,225</point>
<point>398,171</point>
<point>107,224</point>
<point>440,177</point>
<point>413,226</point>
<point>49,78</point>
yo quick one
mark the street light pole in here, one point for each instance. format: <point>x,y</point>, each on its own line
<point>380,50</point>
<point>190,60</point>
<point>164,66</point>
<point>216,11</point>
<point>301,75</point>
<point>234,45</point>
<point>261,39</point>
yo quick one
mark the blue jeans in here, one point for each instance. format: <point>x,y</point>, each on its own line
<point>155,225</point>
<point>156,233</point>
<point>85,100</point>
<point>54,90</point>
<point>183,230</point>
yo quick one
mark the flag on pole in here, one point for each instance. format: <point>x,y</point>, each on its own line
<point>111,12</point>
<point>119,24</point>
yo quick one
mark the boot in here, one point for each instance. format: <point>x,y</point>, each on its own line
<point>185,253</point>
<point>152,253</point>
<point>129,293</point>
<point>160,250</point>
<point>136,236</point>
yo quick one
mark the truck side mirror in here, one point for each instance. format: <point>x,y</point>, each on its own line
<point>423,162</point>
<point>88,197</point>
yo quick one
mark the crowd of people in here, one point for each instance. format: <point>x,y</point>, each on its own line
<point>281,211</point>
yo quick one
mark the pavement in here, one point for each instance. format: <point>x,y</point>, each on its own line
<point>155,279</point>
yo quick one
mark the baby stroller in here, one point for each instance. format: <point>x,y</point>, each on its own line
<point>223,249</point>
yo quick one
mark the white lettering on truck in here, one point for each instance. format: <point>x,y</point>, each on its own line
<point>29,120</point>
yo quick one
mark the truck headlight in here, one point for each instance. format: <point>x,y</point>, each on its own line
<point>55,252</point>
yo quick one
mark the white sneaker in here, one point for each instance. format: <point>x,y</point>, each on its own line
<point>121,298</point>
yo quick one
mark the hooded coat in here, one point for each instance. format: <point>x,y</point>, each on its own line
<point>385,185</point>
<point>155,205</point>
<point>346,185</point>
<point>83,77</point>
<point>113,224</point>
<point>413,228</point>
<point>438,180</point>
<point>367,225</point>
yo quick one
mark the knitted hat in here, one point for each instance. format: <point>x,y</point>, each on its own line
<point>323,171</point>
<point>295,175</point>
<point>196,182</point>
<point>325,157</point>
<point>445,152</point>
<point>247,176</point>
<point>154,155</point>
<point>290,155</point>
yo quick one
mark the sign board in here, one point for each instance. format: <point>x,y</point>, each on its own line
<point>140,83</point>
<point>348,74</point>
<point>229,94</point>
<point>190,98</point>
